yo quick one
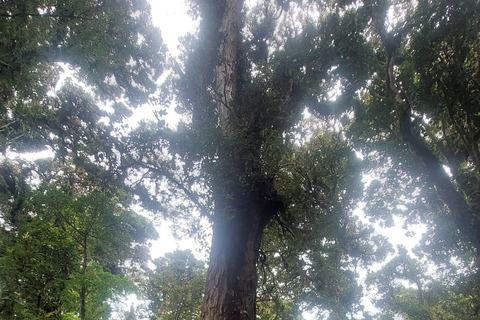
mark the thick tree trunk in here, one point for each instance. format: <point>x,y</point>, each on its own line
<point>244,200</point>
<point>232,276</point>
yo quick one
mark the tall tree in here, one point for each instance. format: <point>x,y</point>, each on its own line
<point>235,158</point>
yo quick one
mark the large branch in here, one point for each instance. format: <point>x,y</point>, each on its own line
<point>26,14</point>
<point>464,216</point>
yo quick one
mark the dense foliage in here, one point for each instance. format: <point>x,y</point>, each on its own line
<point>308,129</point>
<point>175,286</point>
<point>69,242</point>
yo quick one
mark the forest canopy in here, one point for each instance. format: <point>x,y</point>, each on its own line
<point>307,132</point>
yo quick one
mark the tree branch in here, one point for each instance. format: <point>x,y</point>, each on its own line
<point>285,228</point>
<point>463,215</point>
<point>162,172</point>
<point>26,14</point>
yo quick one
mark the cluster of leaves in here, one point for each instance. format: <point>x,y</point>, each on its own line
<point>69,238</point>
<point>434,45</point>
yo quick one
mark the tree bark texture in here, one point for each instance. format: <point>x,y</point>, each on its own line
<point>245,201</point>
<point>231,286</point>
<point>225,70</point>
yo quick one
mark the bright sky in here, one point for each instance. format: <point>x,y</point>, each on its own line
<point>171,17</point>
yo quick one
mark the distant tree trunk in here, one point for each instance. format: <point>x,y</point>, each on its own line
<point>83,289</point>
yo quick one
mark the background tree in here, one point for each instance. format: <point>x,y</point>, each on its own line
<point>424,70</point>
<point>412,85</point>
<point>406,289</point>
<point>313,255</point>
<point>74,204</point>
<point>175,287</point>
<point>74,247</point>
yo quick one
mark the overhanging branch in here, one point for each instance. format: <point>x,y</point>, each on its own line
<point>190,194</point>
<point>26,14</point>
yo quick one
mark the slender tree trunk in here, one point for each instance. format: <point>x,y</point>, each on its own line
<point>39,300</point>
<point>83,289</point>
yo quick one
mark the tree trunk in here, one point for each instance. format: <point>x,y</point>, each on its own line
<point>83,289</point>
<point>226,69</point>
<point>244,200</point>
<point>231,286</point>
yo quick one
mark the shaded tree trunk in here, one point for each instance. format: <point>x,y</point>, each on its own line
<point>232,276</point>
<point>245,201</point>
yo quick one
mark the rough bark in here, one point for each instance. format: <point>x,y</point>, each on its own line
<point>232,276</point>
<point>225,71</point>
<point>245,201</point>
